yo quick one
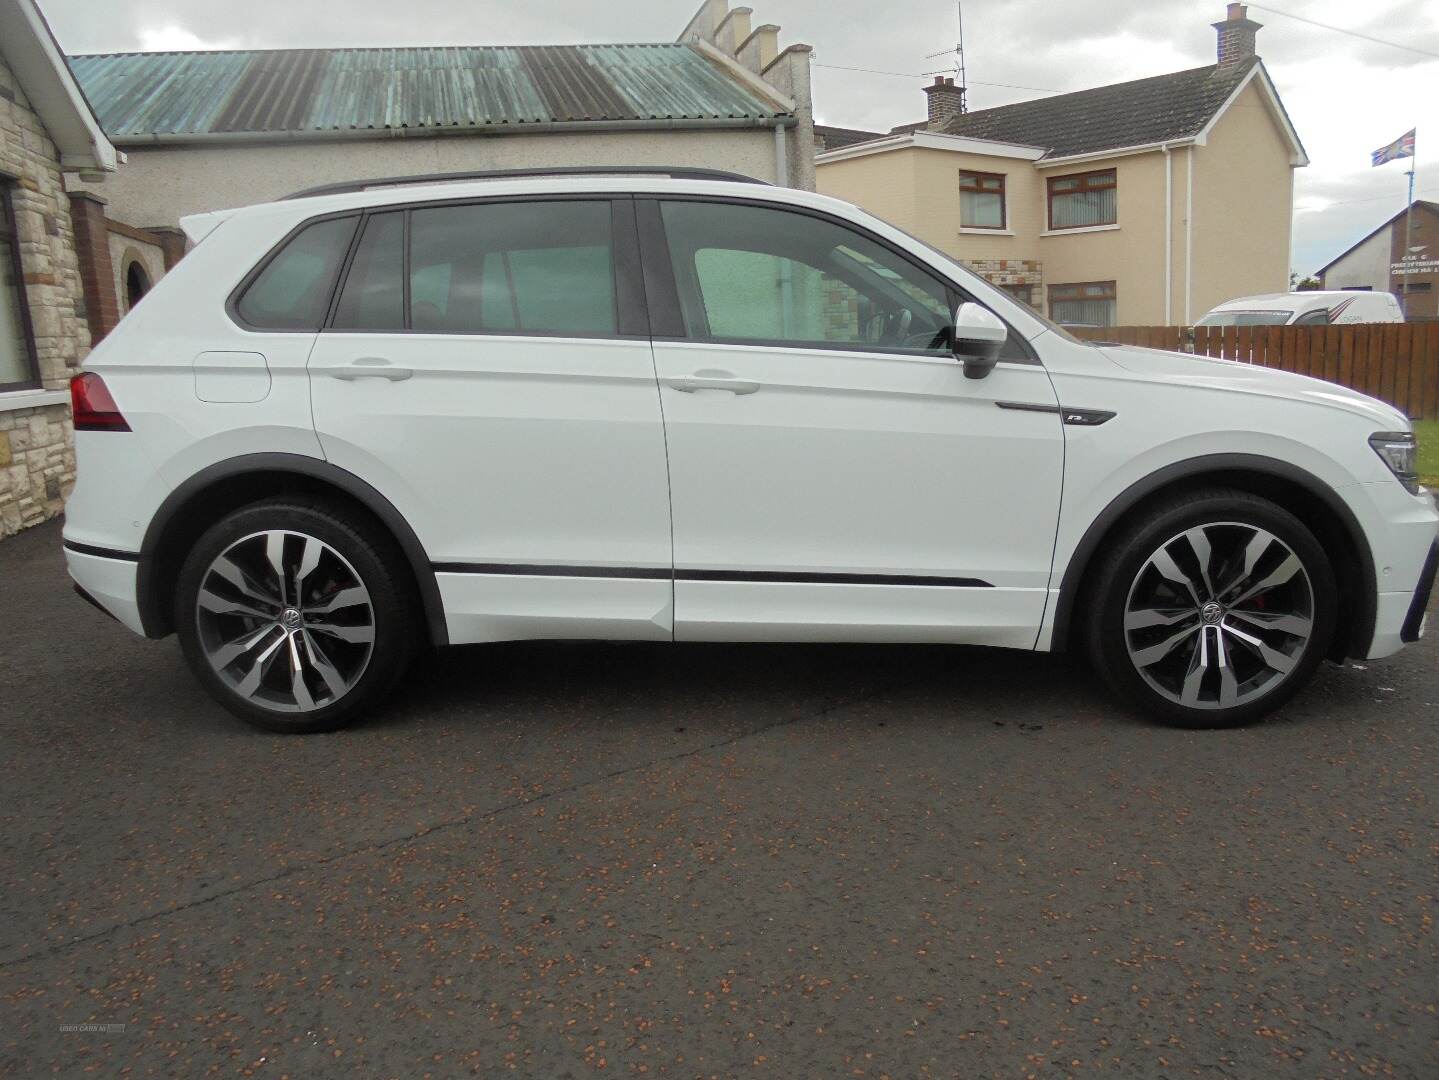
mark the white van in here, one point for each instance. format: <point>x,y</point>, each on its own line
<point>1306,309</point>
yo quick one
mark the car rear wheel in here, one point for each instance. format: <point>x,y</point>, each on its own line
<point>1212,610</point>
<point>295,617</point>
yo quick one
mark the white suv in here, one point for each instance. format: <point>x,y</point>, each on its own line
<point>677,406</point>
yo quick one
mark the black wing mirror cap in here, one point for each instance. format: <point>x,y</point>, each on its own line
<point>979,337</point>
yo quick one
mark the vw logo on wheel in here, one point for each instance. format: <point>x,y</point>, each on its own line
<point>1211,613</point>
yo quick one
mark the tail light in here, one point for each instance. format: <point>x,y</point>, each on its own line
<point>92,406</point>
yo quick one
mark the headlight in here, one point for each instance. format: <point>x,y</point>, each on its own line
<point>1400,451</point>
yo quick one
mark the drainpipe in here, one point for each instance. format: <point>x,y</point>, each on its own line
<point>1189,238</point>
<point>781,157</point>
<point>1168,234</point>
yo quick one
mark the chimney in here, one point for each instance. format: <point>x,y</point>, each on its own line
<point>1236,35</point>
<point>946,101</point>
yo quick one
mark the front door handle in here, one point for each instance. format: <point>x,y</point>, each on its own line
<point>371,367</point>
<point>712,380</point>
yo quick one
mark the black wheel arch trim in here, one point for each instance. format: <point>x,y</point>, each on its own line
<point>155,621</point>
<point>1366,598</point>
<point>1414,619</point>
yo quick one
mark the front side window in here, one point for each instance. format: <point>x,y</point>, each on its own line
<point>981,200</point>
<point>292,292</point>
<point>1083,200</point>
<point>752,275</point>
<point>17,351</point>
<point>1089,303</point>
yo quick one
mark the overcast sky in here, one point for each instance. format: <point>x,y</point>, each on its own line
<point>1346,96</point>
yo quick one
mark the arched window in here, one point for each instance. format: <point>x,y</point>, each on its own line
<point>137,283</point>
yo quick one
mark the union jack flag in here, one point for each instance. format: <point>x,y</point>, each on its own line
<point>1400,147</point>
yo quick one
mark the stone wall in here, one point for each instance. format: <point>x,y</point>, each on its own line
<point>1021,278</point>
<point>37,465</point>
<point>37,458</point>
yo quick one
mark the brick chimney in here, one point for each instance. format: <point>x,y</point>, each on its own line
<point>946,101</point>
<point>1236,35</point>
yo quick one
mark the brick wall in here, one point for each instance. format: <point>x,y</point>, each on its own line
<point>37,459</point>
<point>92,250</point>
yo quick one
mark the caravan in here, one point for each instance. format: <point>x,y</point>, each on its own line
<point>1306,309</point>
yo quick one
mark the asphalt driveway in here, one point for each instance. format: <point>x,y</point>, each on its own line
<point>705,861</point>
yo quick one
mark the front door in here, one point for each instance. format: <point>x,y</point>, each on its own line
<point>833,474</point>
<point>488,369</point>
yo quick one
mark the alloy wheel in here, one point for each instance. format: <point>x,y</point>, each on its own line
<point>1219,615</point>
<point>285,621</point>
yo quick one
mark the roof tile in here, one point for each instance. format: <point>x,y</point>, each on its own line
<point>1137,113</point>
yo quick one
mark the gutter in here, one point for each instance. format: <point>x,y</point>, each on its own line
<point>1189,237</point>
<point>538,127</point>
<point>1168,235</point>
<point>934,140</point>
<point>1118,151</point>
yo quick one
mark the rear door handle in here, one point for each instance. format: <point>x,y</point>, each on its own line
<point>371,367</point>
<point>712,380</point>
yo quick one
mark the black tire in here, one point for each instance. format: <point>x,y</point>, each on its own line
<point>353,547</point>
<point>1121,598</point>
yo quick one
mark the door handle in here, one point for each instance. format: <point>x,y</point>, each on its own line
<point>712,380</point>
<point>371,367</point>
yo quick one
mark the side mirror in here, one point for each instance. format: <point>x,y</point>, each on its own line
<point>979,337</point>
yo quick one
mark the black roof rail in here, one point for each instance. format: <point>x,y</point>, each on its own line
<point>673,172</point>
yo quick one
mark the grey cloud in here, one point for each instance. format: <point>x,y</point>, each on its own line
<point>1039,43</point>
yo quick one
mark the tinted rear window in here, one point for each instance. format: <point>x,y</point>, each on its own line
<point>373,298</point>
<point>545,268</point>
<point>293,291</point>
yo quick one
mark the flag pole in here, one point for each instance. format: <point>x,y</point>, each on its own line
<point>1408,226</point>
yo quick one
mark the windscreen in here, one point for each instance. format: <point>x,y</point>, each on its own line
<point>1245,318</point>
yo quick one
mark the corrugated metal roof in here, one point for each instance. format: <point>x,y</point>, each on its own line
<point>154,95</point>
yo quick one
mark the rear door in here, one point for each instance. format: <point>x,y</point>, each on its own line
<point>487,367</point>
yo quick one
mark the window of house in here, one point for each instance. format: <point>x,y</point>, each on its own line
<point>1025,294</point>
<point>18,369</point>
<point>981,200</point>
<point>293,290</point>
<point>1087,303</point>
<point>1082,200</point>
<point>538,268</point>
<point>748,274</point>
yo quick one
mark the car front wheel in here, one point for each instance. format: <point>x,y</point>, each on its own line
<point>1212,610</point>
<point>295,616</point>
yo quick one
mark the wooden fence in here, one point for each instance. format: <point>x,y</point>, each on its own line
<point>1396,362</point>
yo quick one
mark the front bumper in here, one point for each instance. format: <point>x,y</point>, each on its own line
<point>1404,535</point>
<point>108,580</point>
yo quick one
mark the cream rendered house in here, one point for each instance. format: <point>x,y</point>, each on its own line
<point>1146,202</point>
